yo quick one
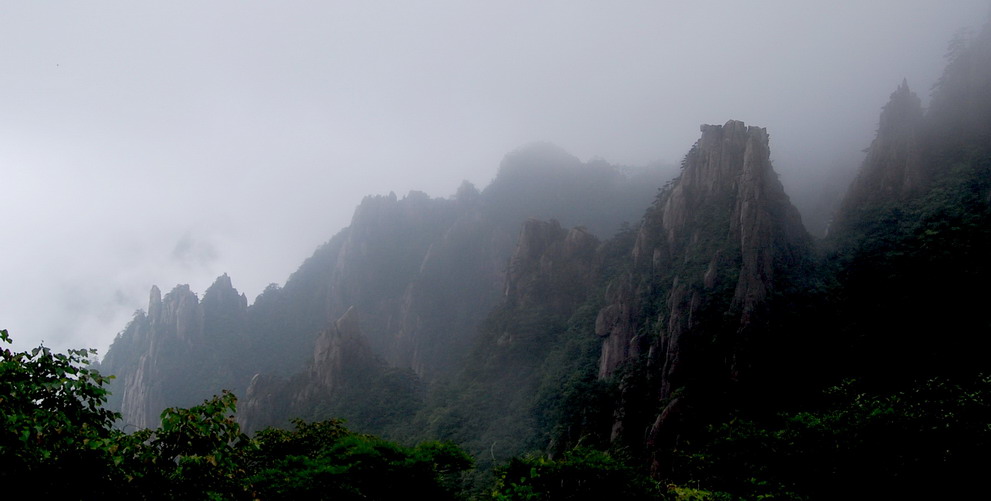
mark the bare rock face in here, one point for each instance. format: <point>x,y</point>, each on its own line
<point>335,347</point>
<point>271,398</point>
<point>341,360</point>
<point>264,403</point>
<point>174,322</point>
<point>424,272</point>
<point>724,228</point>
<point>617,324</point>
<point>395,252</point>
<point>551,266</point>
<point>708,257</point>
<point>168,344</point>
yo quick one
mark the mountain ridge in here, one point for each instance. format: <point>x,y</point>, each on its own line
<point>421,271</point>
<point>491,321</point>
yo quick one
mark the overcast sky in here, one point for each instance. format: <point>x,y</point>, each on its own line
<point>170,142</point>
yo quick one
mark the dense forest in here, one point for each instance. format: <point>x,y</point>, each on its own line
<point>527,341</point>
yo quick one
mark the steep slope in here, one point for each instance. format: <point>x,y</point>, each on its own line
<point>174,352</point>
<point>694,318</point>
<point>957,120</point>
<point>914,150</point>
<point>502,401</point>
<point>895,393</point>
<point>421,272</point>
<point>344,379</point>
<point>915,232</point>
<point>682,313</point>
<point>894,169</point>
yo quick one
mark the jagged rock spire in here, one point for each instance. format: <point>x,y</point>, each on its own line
<point>894,167</point>
<point>710,256</point>
<point>725,224</point>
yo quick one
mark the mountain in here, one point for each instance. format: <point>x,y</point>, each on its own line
<point>420,272</point>
<point>718,343</point>
<point>345,379</point>
<point>894,168</point>
<point>509,391</point>
<point>913,232</point>
<point>714,265</point>
<point>608,342</point>
<point>712,341</point>
<point>176,352</point>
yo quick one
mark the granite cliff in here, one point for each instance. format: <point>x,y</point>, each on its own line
<point>167,354</point>
<point>711,256</point>
<point>487,321</point>
<point>344,379</point>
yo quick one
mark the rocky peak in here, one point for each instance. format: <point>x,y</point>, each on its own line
<point>173,324</point>
<point>155,302</point>
<point>707,258</point>
<point>726,217</point>
<point>726,180</point>
<point>534,240</point>
<point>220,286</point>
<point>893,168</point>
<point>173,341</point>
<point>389,210</point>
<point>904,108</point>
<point>713,165</point>
<point>222,294</point>
<point>181,314</point>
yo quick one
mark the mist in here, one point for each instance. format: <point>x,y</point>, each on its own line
<point>169,144</point>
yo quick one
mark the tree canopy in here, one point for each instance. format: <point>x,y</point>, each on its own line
<point>54,426</point>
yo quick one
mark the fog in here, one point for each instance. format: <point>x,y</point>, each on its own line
<point>171,143</point>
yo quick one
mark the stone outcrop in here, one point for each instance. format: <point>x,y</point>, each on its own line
<point>894,168</point>
<point>708,257</point>
<point>617,324</point>
<point>551,267</point>
<point>341,358</point>
<point>424,272</point>
<point>169,343</point>
<point>335,348</point>
<point>172,324</point>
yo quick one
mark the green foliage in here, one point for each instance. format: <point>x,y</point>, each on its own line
<point>530,384</point>
<point>52,423</point>
<point>196,453</point>
<point>896,274</point>
<point>371,397</point>
<point>572,406</point>
<point>326,461</point>
<point>55,428</point>
<point>938,430</point>
<point>579,474</point>
<point>689,494</point>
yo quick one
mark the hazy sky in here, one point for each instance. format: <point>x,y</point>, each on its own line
<point>172,142</point>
